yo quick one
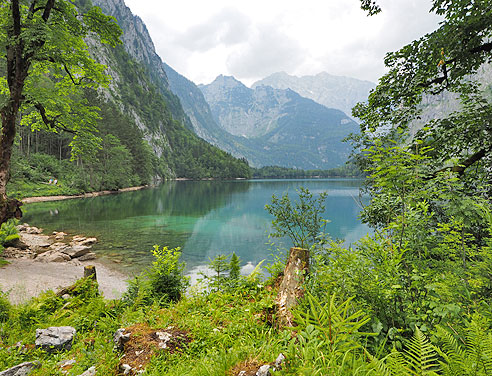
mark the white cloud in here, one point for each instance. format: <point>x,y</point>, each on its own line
<point>253,38</point>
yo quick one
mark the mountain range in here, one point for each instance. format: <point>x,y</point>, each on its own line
<point>338,92</point>
<point>267,125</point>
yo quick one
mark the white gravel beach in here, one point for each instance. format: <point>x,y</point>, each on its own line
<point>23,279</point>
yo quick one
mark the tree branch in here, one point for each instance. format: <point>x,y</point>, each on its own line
<point>461,167</point>
<point>51,123</point>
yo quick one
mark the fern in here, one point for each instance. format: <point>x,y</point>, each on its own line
<point>474,357</point>
<point>418,359</point>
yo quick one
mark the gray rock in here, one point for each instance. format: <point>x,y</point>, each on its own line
<point>87,256</point>
<point>125,369</point>
<point>279,361</point>
<point>120,338</point>
<point>264,370</point>
<point>58,246</point>
<point>22,369</point>
<point>90,372</point>
<point>76,250</point>
<point>59,235</point>
<point>85,241</point>
<point>52,256</point>
<point>55,338</point>
<point>33,230</point>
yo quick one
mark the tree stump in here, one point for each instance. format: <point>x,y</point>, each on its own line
<point>90,272</point>
<point>291,288</point>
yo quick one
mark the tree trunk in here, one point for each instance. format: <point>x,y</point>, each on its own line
<point>90,272</point>
<point>291,288</point>
<point>9,208</point>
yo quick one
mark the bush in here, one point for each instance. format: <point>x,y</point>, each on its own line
<point>164,282</point>
<point>4,307</point>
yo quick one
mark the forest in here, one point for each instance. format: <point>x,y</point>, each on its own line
<point>413,297</point>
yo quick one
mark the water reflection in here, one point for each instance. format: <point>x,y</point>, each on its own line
<point>204,218</point>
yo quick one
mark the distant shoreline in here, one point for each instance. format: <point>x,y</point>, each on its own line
<point>30,200</point>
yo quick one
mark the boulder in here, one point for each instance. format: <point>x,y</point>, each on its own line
<point>55,338</point>
<point>58,246</point>
<point>87,256</point>
<point>16,253</point>
<point>264,370</point>
<point>76,250</point>
<point>59,235</point>
<point>22,369</point>
<point>120,338</point>
<point>33,230</point>
<point>84,241</point>
<point>52,256</point>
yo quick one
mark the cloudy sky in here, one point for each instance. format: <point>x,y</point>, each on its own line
<point>250,39</point>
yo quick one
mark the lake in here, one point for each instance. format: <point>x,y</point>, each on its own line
<point>204,218</point>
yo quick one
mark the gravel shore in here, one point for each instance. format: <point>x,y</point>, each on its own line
<point>23,279</point>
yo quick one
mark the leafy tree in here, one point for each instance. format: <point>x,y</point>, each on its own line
<point>301,221</point>
<point>447,62</point>
<point>46,66</point>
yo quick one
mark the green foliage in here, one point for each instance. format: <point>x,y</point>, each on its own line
<point>301,221</point>
<point>162,283</point>
<point>5,307</point>
<point>468,354</point>
<point>235,267</point>
<point>166,278</point>
<point>328,340</point>
<point>276,172</point>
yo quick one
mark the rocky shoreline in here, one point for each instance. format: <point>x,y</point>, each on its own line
<point>38,262</point>
<point>58,247</point>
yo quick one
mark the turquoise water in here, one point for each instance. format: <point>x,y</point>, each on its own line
<point>204,218</point>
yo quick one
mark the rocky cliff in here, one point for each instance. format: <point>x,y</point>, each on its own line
<point>331,91</point>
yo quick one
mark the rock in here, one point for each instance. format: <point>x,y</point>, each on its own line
<point>242,373</point>
<point>76,250</point>
<point>264,370</point>
<point>37,243</point>
<point>65,365</point>
<point>279,361</point>
<point>125,369</point>
<point>55,338</point>
<point>120,338</point>
<point>59,235</point>
<point>78,238</point>
<point>90,372</point>
<point>22,227</point>
<point>22,369</point>
<point>16,253</point>
<point>58,246</point>
<point>52,256</point>
<point>33,230</point>
<point>87,256</point>
<point>164,338</point>
<point>16,243</point>
<point>85,241</point>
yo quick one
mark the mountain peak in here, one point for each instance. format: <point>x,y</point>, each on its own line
<point>338,92</point>
<point>226,82</point>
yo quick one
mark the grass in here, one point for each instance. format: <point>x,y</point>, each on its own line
<point>222,330</point>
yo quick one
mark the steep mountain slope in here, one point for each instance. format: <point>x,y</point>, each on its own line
<point>279,126</point>
<point>331,91</point>
<point>139,45</point>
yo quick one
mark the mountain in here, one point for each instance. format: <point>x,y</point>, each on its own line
<point>338,92</point>
<point>144,134</point>
<point>279,127</point>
